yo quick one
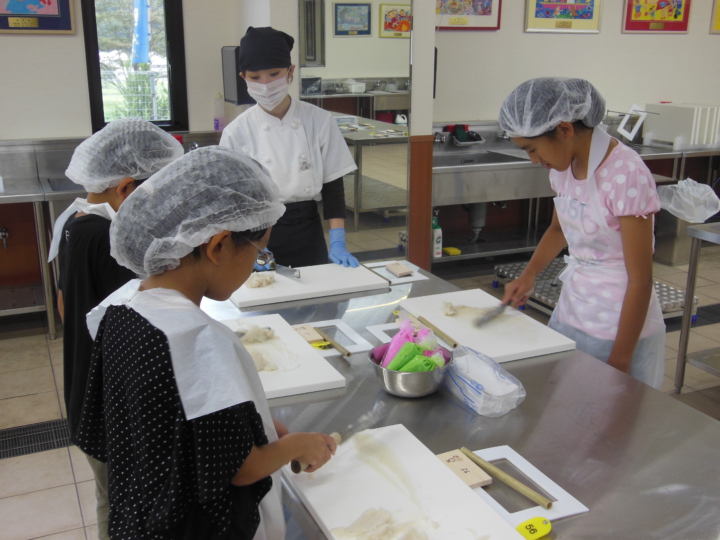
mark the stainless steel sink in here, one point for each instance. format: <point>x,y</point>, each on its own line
<point>480,158</point>
<point>58,189</point>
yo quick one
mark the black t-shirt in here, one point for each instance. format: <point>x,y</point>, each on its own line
<point>169,477</point>
<point>88,275</point>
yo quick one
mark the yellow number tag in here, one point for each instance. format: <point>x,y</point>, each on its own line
<point>534,528</point>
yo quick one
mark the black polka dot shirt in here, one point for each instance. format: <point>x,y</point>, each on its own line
<point>169,478</point>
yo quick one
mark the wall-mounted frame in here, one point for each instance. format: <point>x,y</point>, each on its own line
<point>37,17</point>
<point>352,20</point>
<point>395,20</point>
<point>467,14</point>
<point>715,22</point>
<point>580,17</point>
<point>656,16</point>
<point>311,46</point>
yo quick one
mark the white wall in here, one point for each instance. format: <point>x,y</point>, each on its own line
<point>205,35</point>
<point>43,85</point>
<point>365,56</point>
<point>423,57</point>
<point>477,70</point>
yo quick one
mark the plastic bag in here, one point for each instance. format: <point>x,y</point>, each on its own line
<point>689,200</point>
<point>481,384</point>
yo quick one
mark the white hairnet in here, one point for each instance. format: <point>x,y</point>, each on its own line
<point>206,191</point>
<point>127,148</point>
<point>539,105</point>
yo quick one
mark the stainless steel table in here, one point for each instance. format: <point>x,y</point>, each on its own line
<point>16,300</point>
<point>364,137</point>
<point>645,464</point>
<point>708,360</point>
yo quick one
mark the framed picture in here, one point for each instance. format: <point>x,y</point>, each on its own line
<point>656,16</point>
<point>37,17</point>
<point>578,17</point>
<point>395,20</point>
<point>715,22</point>
<point>467,14</point>
<point>351,19</point>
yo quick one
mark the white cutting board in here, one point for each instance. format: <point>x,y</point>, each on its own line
<point>314,372</point>
<point>315,281</point>
<point>511,336</point>
<point>348,485</point>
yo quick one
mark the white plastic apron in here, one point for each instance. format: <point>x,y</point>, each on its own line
<point>79,205</point>
<point>285,153</point>
<point>595,281</point>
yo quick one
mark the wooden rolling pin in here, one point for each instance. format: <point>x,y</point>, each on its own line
<point>439,333</point>
<point>339,348</point>
<point>521,488</point>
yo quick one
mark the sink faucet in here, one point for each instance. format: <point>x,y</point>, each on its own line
<point>378,84</point>
<point>439,137</point>
<point>503,137</point>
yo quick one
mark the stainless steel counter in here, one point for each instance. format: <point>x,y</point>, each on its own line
<point>645,464</point>
<point>20,190</point>
<point>364,137</point>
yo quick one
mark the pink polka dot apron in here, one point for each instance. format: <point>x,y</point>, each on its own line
<point>595,281</point>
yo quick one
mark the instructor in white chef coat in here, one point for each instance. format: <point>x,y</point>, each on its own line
<point>302,148</point>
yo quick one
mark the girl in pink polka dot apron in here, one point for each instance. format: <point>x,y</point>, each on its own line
<point>549,118</point>
<point>595,279</point>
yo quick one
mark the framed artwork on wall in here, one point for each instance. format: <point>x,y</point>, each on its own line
<point>351,20</point>
<point>578,17</point>
<point>656,16</point>
<point>395,20</point>
<point>37,17</point>
<point>467,14</point>
<point>715,22</point>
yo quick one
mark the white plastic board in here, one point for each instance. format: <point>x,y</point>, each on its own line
<point>313,374</point>
<point>359,345</point>
<point>379,268</point>
<point>565,505</point>
<point>511,336</point>
<point>315,281</point>
<point>404,478</point>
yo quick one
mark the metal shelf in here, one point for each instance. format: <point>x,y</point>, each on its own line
<point>20,299</point>
<point>492,245</point>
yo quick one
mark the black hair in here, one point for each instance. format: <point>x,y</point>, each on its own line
<point>579,125</point>
<point>239,239</point>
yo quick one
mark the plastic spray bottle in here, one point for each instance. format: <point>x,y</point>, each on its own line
<point>436,238</point>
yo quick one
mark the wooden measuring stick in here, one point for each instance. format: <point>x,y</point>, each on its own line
<point>439,333</point>
<point>509,480</point>
<point>342,350</point>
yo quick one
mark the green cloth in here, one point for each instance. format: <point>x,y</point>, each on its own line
<point>419,363</point>
<point>406,353</point>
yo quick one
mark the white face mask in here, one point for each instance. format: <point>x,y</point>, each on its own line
<point>268,95</point>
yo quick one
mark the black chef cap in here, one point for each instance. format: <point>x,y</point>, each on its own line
<point>264,48</point>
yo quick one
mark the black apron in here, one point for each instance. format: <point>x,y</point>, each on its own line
<point>297,238</point>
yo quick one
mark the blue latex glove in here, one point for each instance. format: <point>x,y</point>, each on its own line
<point>338,253</point>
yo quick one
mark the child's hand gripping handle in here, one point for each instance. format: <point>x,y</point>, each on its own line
<point>297,467</point>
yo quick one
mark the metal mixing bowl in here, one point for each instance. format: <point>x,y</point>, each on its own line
<point>410,385</point>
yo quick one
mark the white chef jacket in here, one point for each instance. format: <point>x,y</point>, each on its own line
<point>301,152</point>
